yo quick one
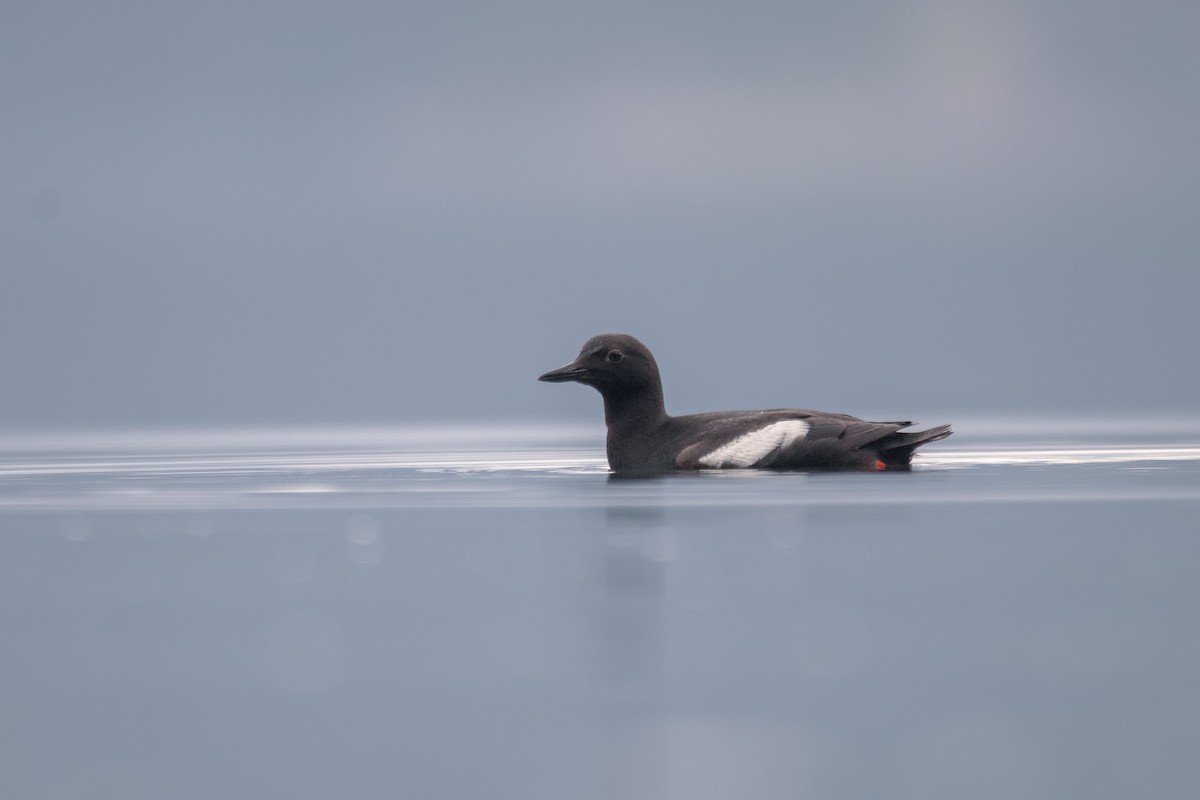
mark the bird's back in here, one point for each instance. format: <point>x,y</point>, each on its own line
<point>792,439</point>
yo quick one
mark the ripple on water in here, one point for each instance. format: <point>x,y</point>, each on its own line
<point>531,466</point>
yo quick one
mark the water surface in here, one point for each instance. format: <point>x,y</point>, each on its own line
<point>481,611</point>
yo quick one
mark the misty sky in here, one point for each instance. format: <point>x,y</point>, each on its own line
<point>387,212</point>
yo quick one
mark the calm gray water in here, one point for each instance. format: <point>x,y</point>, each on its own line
<point>481,612</point>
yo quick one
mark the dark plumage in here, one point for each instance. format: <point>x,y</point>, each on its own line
<point>642,437</point>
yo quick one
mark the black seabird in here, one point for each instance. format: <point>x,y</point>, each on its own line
<point>642,437</point>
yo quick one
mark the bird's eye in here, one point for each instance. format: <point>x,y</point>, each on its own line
<point>615,357</point>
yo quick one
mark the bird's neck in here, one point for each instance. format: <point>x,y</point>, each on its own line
<point>634,409</point>
<point>634,420</point>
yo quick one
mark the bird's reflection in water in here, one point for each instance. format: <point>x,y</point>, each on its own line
<point>634,579</point>
<point>637,546</point>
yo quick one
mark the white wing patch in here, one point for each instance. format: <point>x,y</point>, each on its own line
<point>749,448</point>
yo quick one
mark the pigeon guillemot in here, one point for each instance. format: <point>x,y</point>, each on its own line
<point>642,437</point>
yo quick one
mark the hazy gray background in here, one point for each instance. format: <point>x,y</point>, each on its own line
<point>291,212</point>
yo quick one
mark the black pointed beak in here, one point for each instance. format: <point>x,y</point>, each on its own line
<point>570,372</point>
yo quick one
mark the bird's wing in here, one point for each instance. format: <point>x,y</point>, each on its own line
<point>779,438</point>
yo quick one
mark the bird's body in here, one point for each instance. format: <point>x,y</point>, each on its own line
<point>642,437</point>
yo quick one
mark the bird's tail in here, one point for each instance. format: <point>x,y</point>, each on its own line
<point>896,450</point>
